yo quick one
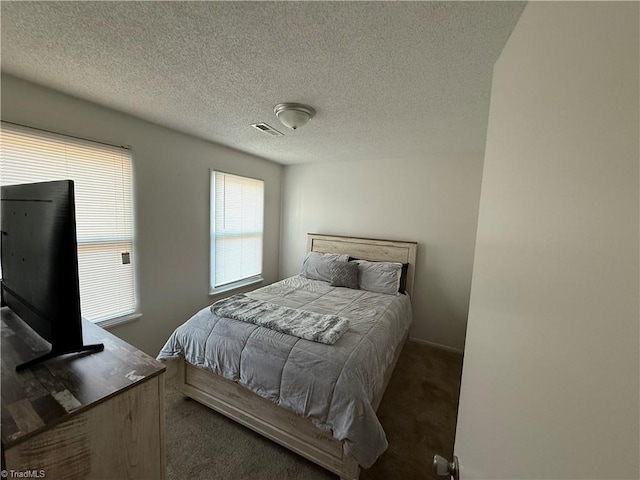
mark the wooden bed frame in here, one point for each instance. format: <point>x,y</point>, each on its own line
<point>291,430</point>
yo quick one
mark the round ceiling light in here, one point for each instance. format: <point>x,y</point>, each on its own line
<point>293,115</point>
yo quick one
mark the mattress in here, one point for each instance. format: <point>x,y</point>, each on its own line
<point>333,385</point>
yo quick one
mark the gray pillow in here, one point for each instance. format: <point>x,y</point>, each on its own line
<point>381,277</point>
<point>317,266</point>
<point>344,274</point>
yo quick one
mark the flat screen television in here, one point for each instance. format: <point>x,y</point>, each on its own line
<point>39,259</point>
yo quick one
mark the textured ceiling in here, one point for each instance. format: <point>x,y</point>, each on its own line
<point>388,80</point>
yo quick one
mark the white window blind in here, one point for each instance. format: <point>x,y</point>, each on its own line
<point>237,212</point>
<point>102,175</point>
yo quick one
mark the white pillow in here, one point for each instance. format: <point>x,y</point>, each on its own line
<point>317,266</point>
<point>380,277</point>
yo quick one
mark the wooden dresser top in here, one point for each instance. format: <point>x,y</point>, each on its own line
<point>47,393</point>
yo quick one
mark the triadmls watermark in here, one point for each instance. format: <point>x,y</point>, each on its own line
<point>23,474</point>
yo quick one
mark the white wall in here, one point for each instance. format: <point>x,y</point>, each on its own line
<point>433,201</point>
<point>171,191</point>
<point>551,372</point>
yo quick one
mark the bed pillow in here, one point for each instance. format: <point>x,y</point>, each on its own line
<point>317,266</point>
<point>380,277</point>
<point>402,286</point>
<point>403,279</point>
<point>344,274</point>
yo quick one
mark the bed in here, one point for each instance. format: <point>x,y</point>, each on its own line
<point>313,424</point>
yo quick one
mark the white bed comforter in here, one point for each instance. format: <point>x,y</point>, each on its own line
<point>333,385</point>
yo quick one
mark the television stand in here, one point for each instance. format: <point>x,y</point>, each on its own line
<point>95,347</point>
<point>97,417</point>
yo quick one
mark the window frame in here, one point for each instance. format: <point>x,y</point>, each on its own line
<point>117,317</point>
<point>251,280</point>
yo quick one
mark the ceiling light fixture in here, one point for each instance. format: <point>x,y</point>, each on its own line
<point>293,115</point>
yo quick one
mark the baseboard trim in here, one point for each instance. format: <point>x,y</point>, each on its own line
<point>437,345</point>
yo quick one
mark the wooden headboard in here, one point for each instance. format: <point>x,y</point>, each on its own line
<point>370,249</point>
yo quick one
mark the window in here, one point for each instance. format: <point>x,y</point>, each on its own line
<point>104,217</point>
<point>237,212</point>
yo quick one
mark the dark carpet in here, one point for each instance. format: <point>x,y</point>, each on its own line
<point>418,413</point>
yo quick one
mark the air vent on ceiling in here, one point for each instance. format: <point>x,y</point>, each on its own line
<point>268,129</point>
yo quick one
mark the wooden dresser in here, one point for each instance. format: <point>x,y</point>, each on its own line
<point>97,416</point>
